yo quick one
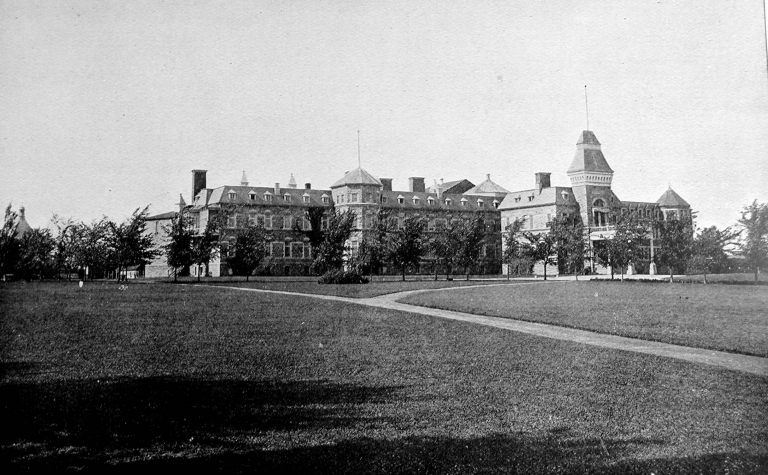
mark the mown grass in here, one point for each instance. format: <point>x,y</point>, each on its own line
<point>719,317</point>
<point>200,379</point>
<point>372,289</point>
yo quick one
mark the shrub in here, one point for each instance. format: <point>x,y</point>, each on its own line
<point>343,277</point>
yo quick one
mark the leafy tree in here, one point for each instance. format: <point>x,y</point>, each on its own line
<point>445,246</point>
<point>64,254</point>
<point>178,249</point>
<point>36,253</point>
<point>514,249</point>
<point>205,246</point>
<point>406,245</point>
<point>90,249</point>
<point>472,237</point>
<point>625,246</point>
<point>568,233</point>
<point>316,233</point>
<point>754,243</point>
<point>249,248</point>
<point>9,244</point>
<point>329,254</point>
<point>372,253</point>
<point>541,247</point>
<point>708,253</point>
<point>129,243</point>
<point>675,239</point>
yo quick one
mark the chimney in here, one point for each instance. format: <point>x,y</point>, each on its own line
<point>21,213</point>
<point>307,186</point>
<point>542,181</point>
<point>416,184</point>
<point>387,184</point>
<point>198,182</point>
<point>243,180</point>
<point>277,189</point>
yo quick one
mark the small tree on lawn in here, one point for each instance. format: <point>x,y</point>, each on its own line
<point>178,249</point>
<point>372,253</point>
<point>708,253</point>
<point>675,239</point>
<point>514,250</point>
<point>9,244</point>
<point>406,245</point>
<point>249,248</point>
<point>625,246</point>
<point>129,243</point>
<point>329,254</point>
<point>64,254</point>
<point>36,253</point>
<point>205,246</point>
<point>472,235</point>
<point>541,247</point>
<point>445,245</point>
<point>754,236</point>
<point>569,240</point>
<point>90,248</point>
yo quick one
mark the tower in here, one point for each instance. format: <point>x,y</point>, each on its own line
<point>591,178</point>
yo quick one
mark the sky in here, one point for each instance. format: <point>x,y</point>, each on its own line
<point>107,106</point>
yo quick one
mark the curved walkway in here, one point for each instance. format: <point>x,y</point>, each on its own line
<point>732,361</point>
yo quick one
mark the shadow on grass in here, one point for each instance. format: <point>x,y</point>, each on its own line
<point>193,425</point>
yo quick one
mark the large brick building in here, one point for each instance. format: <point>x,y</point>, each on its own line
<point>281,210</point>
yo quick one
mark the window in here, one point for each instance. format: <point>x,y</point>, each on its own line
<point>305,198</point>
<point>383,199</point>
<point>287,247</point>
<point>565,195</point>
<point>480,203</point>
<point>268,197</point>
<point>400,199</point>
<point>325,199</point>
<point>530,198</point>
<point>288,222</point>
<point>431,225</point>
<point>232,196</point>
<point>431,201</point>
<point>598,203</point>
<point>324,223</point>
<point>251,219</point>
<point>463,202</point>
<point>287,198</point>
<point>297,250</point>
<point>353,198</point>
<point>517,199</point>
<point>252,196</point>
<point>278,249</point>
<point>278,222</point>
<point>415,200</point>
<point>496,204</point>
<point>307,250</point>
<point>232,221</point>
<point>447,202</point>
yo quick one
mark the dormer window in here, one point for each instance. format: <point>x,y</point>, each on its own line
<point>232,196</point>
<point>447,202</point>
<point>252,195</point>
<point>463,202</point>
<point>353,198</point>
<point>400,199</point>
<point>530,198</point>
<point>517,199</point>
<point>325,198</point>
<point>496,204</point>
<point>480,203</point>
<point>565,195</point>
<point>268,196</point>
<point>305,197</point>
<point>383,199</point>
<point>287,198</point>
<point>431,201</point>
<point>415,200</point>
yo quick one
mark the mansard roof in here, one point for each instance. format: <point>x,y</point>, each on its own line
<point>670,199</point>
<point>243,196</point>
<point>487,188</point>
<point>455,187</point>
<point>390,200</point>
<point>532,198</point>
<point>588,157</point>
<point>358,176</point>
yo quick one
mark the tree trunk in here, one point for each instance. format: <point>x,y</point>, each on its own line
<point>175,274</point>
<point>403,272</point>
<point>671,281</point>
<point>705,278</point>
<point>755,274</point>
<point>247,276</point>
<point>198,273</point>
<point>545,270</point>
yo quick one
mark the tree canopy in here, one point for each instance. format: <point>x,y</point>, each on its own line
<point>754,236</point>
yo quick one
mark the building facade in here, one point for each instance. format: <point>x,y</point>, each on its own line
<point>283,211</point>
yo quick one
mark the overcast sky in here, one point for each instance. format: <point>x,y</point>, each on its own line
<point>106,106</point>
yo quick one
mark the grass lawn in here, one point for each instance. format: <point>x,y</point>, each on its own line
<point>719,317</point>
<point>372,289</point>
<point>199,379</point>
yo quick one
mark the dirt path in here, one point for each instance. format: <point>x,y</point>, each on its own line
<point>732,361</point>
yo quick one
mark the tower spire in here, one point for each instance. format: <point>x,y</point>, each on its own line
<point>358,150</point>
<point>586,105</point>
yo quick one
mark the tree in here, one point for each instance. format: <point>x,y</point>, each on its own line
<point>625,246</point>
<point>90,249</point>
<point>372,253</point>
<point>472,237</point>
<point>129,243</point>
<point>205,246</point>
<point>9,244</point>
<point>249,248</point>
<point>406,245</point>
<point>541,247</point>
<point>316,233</point>
<point>329,254</point>
<point>64,254</point>
<point>36,248</point>
<point>708,253</point>
<point>568,233</point>
<point>754,237</point>
<point>675,240</point>
<point>445,245</point>
<point>178,249</point>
